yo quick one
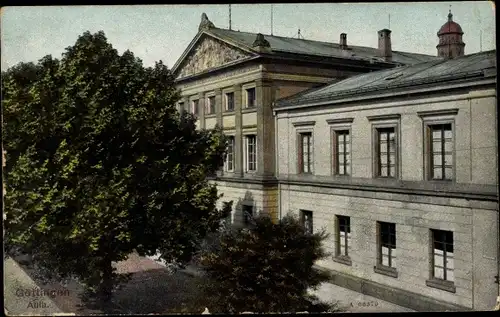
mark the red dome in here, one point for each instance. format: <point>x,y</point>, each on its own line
<point>450,26</point>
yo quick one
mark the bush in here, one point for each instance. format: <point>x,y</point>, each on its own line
<point>267,267</point>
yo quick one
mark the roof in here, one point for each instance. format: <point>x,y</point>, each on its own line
<point>450,27</point>
<point>280,44</point>
<point>479,64</point>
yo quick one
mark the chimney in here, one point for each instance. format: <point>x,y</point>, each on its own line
<point>343,41</point>
<point>384,44</point>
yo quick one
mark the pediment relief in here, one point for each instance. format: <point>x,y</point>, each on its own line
<point>209,53</point>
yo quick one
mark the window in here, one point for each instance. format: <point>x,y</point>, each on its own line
<point>194,107</point>
<point>342,153</point>
<point>230,101</point>
<point>181,106</point>
<point>250,97</point>
<point>305,152</point>
<point>343,235</point>
<point>386,152</point>
<point>250,153</point>
<point>440,152</point>
<point>230,155</point>
<point>442,260</point>
<point>306,219</point>
<point>247,214</point>
<point>387,244</point>
<point>211,105</point>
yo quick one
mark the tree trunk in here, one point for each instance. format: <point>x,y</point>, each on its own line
<point>106,285</point>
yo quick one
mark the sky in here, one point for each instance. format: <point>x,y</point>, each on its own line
<point>162,32</point>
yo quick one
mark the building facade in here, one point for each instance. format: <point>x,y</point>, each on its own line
<point>230,79</point>
<point>400,167</point>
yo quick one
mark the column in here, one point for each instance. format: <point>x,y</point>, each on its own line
<point>265,128</point>
<point>218,112</point>
<point>218,106</point>
<point>201,110</point>
<point>238,137</point>
<point>185,99</point>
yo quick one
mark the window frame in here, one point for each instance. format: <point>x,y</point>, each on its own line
<point>226,161</point>
<point>247,104</point>
<point>429,119</point>
<point>226,101</point>
<point>301,133</point>
<point>208,104</point>
<point>246,218</point>
<point>336,126</point>
<point>306,216</point>
<point>433,281</point>
<point>246,152</point>
<point>386,122</point>
<point>195,105</point>
<point>339,257</point>
<point>381,268</point>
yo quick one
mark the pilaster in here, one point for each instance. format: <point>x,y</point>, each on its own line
<point>201,110</point>
<point>265,128</point>
<point>238,137</point>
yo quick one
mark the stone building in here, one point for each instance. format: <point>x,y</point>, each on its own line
<point>231,79</point>
<point>400,167</point>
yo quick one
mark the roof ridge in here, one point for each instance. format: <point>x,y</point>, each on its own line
<point>323,42</point>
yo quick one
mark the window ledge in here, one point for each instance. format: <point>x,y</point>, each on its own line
<point>210,115</point>
<point>386,270</point>
<point>343,259</point>
<point>441,284</point>
<point>228,112</point>
<point>252,109</point>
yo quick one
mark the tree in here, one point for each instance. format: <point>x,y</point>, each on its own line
<point>100,163</point>
<point>265,268</point>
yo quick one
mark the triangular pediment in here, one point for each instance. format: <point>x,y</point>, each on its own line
<point>208,53</point>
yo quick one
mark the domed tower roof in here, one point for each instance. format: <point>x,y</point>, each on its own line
<point>451,44</point>
<point>450,27</point>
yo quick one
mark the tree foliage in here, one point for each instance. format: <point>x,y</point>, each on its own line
<point>265,268</point>
<point>100,163</point>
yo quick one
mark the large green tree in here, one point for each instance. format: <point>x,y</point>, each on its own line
<point>268,267</point>
<point>100,163</point>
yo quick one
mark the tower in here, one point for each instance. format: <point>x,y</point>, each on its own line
<point>450,35</point>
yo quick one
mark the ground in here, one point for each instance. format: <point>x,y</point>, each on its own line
<point>152,289</point>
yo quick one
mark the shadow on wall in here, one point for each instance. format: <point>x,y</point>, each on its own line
<point>244,209</point>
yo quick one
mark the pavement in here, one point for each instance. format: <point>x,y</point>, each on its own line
<point>152,289</point>
<point>354,302</point>
<point>349,301</point>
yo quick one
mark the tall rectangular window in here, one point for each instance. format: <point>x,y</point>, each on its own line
<point>230,101</point>
<point>441,152</point>
<point>305,152</point>
<point>247,214</point>
<point>210,105</point>
<point>306,218</point>
<point>442,262</point>
<point>250,92</point>
<point>194,107</point>
<point>343,235</point>
<point>342,153</point>
<point>230,155</point>
<point>250,153</point>
<point>387,244</point>
<point>181,106</point>
<point>386,152</point>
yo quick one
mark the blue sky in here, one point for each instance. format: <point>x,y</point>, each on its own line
<point>162,32</point>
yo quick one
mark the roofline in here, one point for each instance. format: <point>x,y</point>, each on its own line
<point>197,37</point>
<point>368,96</point>
<point>216,69</point>
<point>325,42</point>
